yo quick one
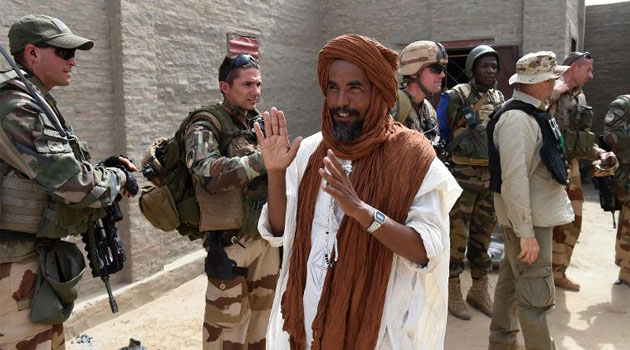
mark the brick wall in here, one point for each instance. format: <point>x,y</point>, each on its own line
<point>607,38</point>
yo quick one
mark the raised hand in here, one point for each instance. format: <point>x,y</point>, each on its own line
<point>276,150</point>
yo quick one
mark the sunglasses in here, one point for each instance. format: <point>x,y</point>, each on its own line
<point>242,60</point>
<point>586,55</point>
<point>437,68</point>
<point>65,54</point>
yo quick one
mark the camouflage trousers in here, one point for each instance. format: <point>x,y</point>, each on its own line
<point>565,236</point>
<point>622,244</point>
<point>472,221</point>
<point>237,311</point>
<point>17,332</point>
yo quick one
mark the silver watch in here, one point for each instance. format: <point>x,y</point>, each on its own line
<point>379,220</point>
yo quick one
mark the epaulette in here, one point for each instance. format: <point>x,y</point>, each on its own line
<point>8,75</point>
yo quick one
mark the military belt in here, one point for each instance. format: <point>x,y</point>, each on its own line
<point>8,235</point>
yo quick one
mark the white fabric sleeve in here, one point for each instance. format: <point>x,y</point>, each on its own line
<point>516,136</point>
<point>429,214</point>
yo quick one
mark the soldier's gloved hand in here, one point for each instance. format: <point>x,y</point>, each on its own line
<point>119,161</point>
<point>130,188</point>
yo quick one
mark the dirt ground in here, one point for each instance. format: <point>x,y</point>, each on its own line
<point>597,317</point>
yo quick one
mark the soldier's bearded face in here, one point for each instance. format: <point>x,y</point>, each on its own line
<point>485,70</point>
<point>49,68</point>
<point>244,92</point>
<point>348,96</point>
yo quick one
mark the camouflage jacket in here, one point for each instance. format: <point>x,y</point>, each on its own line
<point>617,128</point>
<point>232,168</point>
<point>31,148</point>
<point>461,96</point>
<point>423,119</point>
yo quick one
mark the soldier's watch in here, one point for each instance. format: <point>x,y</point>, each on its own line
<point>379,220</point>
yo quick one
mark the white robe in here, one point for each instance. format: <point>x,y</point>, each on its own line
<point>415,310</point>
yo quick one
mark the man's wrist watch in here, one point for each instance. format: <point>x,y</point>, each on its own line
<point>379,220</point>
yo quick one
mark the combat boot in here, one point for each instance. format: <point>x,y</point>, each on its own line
<point>456,304</point>
<point>624,276</point>
<point>479,296</point>
<point>562,281</point>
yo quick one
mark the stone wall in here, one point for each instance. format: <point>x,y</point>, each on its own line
<point>607,38</point>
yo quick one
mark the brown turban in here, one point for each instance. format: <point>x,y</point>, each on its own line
<point>351,304</point>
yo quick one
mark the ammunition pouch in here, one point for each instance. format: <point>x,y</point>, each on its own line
<point>582,117</point>
<point>61,267</point>
<point>158,207</point>
<point>579,143</point>
<point>471,146</point>
<point>222,210</point>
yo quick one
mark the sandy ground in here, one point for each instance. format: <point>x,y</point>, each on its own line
<point>598,317</point>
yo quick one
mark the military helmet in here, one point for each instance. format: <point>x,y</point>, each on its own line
<point>420,54</point>
<point>475,54</point>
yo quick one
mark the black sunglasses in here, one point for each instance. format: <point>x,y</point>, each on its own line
<point>437,68</point>
<point>65,54</point>
<point>586,55</point>
<point>242,60</point>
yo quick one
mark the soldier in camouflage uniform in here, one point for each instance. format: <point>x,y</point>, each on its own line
<point>617,136</point>
<point>472,218</point>
<point>46,183</point>
<point>222,155</point>
<point>423,67</point>
<point>574,117</point>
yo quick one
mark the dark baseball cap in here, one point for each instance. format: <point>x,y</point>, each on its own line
<point>36,29</point>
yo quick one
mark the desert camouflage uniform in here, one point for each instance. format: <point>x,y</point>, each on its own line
<point>31,148</point>
<point>237,311</point>
<point>423,119</point>
<point>472,218</point>
<point>617,136</point>
<point>565,236</point>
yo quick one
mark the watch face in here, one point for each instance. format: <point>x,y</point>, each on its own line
<point>379,216</point>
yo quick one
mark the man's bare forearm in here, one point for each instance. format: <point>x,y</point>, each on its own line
<point>277,201</point>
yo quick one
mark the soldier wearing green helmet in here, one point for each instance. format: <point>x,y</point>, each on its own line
<point>472,218</point>
<point>423,67</point>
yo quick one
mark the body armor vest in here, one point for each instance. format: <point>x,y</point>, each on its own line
<point>25,206</point>
<point>552,151</point>
<point>469,143</point>
<point>199,210</point>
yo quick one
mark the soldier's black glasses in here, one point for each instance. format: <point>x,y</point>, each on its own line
<point>437,68</point>
<point>242,60</point>
<point>586,55</point>
<point>65,54</point>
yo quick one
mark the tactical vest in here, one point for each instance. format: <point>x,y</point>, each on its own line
<point>575,119</point>
<point>199,210</point>
<point>469,144</point>
<point>25,207</point>
<point>552,152</point>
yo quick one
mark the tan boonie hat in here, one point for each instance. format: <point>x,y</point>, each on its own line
<point>35,29</point>
<point>420,54</point>
<point>537,67</point>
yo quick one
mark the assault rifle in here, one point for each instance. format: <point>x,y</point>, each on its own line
<point>606,188</point>
<point>105,249</point>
